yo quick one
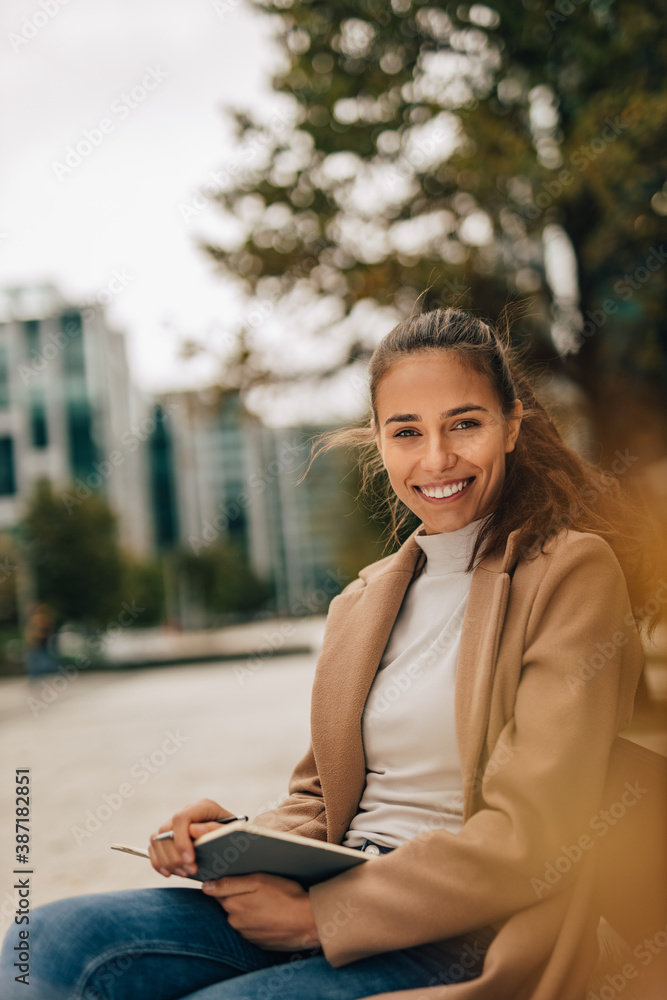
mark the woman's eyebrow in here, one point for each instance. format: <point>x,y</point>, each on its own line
<point>403,418</point>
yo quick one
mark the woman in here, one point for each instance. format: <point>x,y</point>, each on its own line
<point>455,729</point>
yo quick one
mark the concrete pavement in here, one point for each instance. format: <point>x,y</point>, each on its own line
<point>112,756</point>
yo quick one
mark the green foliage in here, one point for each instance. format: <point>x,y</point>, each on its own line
<point>74,557</point>
<point>220,580</point>
<point>12,657</point>
<point>8,569</point>
<point>143,583</point>
<point>435,147</point>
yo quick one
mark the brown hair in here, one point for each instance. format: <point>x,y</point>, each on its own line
<point>547,485</point>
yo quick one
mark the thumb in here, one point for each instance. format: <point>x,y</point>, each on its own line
<point>199,829</point>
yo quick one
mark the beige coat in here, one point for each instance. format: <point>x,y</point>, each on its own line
<point>548,665</point>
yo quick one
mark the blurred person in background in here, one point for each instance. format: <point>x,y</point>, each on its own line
<point>461,730</point>
<point>39,639</point>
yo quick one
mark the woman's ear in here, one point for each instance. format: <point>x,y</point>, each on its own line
<point>513,425</point>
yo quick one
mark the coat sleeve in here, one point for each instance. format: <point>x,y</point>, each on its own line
<point>541,785</point>
<point>303,811</point>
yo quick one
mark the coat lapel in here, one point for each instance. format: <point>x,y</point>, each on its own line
<point>476,664</point>
<point>474,672</point>
<point>359,624</point>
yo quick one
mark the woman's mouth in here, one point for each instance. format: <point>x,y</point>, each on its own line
<point>435,494</point>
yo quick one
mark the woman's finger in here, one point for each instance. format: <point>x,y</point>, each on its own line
<point>175,854</point>
<point>230,885</point>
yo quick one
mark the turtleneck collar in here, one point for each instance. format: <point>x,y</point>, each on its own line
<point>448,551</point>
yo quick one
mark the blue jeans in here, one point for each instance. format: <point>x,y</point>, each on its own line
<point>164,944</point>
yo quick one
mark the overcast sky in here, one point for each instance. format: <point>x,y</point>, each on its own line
<point>145,79</point>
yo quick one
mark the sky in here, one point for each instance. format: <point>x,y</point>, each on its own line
<point>112,124</point>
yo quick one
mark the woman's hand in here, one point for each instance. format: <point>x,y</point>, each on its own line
<point>177,856</point>
<point>271,912</point>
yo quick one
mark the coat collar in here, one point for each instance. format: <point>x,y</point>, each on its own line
<point>359,624</point>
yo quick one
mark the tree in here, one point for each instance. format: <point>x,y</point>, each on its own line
<point>8,569</point>
<point>483,153</point>
<point>74,556</point>
<point>143,582</point>
<point>219,580</point>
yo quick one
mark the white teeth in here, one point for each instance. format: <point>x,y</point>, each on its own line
<point>438,492</point>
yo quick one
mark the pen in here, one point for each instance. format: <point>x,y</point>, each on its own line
<point>169,835</point>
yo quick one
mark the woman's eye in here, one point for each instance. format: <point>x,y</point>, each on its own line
<point>463,425</point>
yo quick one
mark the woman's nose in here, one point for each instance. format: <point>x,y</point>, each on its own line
<point>438,455</point>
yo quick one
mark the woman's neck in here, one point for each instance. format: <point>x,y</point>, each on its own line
<point>449,551</point>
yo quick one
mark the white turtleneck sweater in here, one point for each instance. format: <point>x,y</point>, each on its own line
<point>413,772</point>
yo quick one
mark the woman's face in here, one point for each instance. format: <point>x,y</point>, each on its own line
<point>443,439</point>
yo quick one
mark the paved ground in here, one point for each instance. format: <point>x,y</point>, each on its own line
<point>113,755</point>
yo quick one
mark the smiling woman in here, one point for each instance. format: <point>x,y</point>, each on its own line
<point>449,716</point>
<point>453,365</point>
<point>447,466</point>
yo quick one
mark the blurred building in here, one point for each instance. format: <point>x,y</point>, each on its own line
<point>219,475</point>
<point>68,412</point>
<point>182,473</point>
